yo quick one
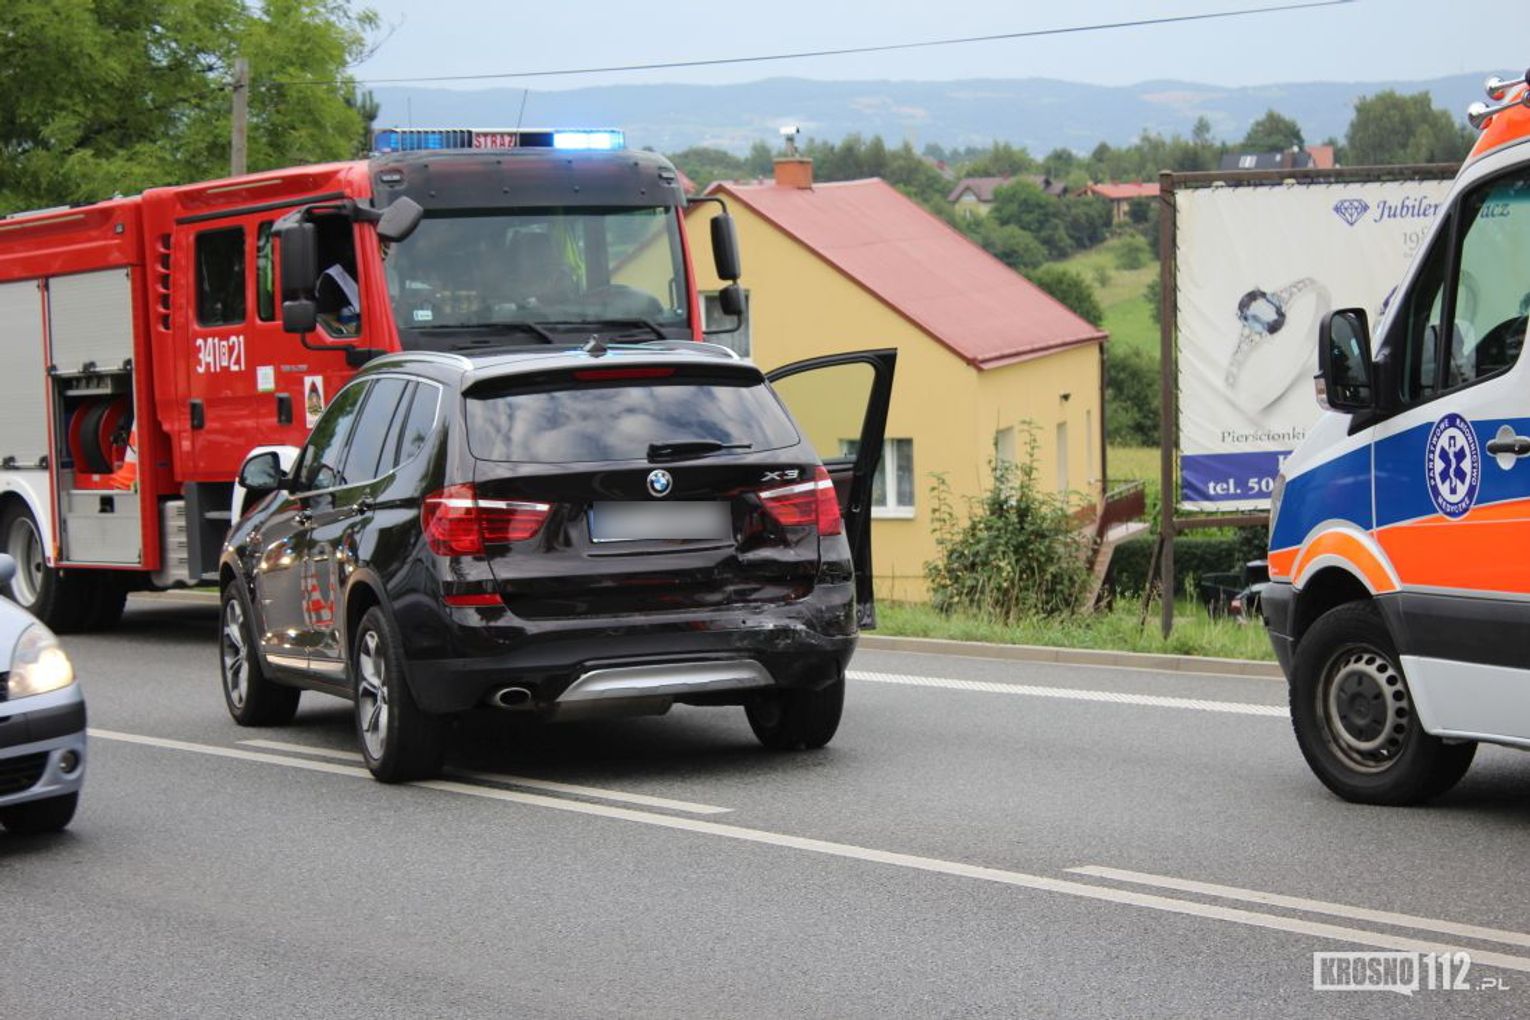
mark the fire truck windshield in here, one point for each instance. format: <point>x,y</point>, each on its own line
<point>575,266</point>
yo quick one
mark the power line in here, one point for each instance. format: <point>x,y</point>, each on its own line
<point>845,51</point>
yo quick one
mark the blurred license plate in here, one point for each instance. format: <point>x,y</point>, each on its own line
<point>637,522</point>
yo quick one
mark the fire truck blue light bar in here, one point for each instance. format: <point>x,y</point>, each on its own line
<point>424,139</point>
<point>587,140</point>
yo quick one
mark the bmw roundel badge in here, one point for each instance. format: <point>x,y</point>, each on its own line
<point>660,483</point>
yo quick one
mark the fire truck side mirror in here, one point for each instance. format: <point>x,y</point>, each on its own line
<point>725,247</point>
<point>399,219</point>
<point>300,316</point>
<point>730,300</point>
<point>299,245</point>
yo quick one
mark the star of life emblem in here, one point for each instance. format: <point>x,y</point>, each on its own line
<point>1453,466</point>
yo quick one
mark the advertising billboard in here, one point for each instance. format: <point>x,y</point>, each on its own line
<point>1257,266</point>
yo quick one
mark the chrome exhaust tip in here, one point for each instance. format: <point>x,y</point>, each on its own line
<point>511,698</point>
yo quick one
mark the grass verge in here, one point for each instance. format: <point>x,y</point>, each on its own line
<point>1116,630</point>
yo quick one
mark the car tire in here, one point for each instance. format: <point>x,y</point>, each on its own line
<point>400,741</point>
<point>38,816</point>
<point>785,720</point>
<point>108,600</point>
<point>252,697</point>
<point>63,600</point>
<point>1354,718</point>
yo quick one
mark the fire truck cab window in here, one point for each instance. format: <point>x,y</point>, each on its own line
<point>265,274</point>
<point>220,277</point>
<point>336,292</point>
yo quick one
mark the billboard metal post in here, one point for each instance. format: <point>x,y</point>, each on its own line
<point>1168,437</point>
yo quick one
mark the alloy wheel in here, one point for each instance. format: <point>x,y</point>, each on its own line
<point>372,695</point>
<point>235,652</point>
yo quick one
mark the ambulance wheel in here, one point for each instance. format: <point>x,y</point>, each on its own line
<point>63,601</point>
<point>1354,717</point>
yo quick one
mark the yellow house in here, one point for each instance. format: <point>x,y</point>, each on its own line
<point>983,354</point>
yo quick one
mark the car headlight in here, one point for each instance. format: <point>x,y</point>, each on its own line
<point>38,664</point>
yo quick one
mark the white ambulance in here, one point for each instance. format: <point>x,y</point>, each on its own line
<point>1400,530</point>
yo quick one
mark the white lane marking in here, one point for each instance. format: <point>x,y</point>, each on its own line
<point>596,792</point>
<point>1230,892</point>
<point>1106,894</point>
<point>1072,694</point>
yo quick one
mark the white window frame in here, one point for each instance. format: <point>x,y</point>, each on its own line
<point>891,509</point>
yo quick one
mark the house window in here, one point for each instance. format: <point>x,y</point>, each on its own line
<point>897,463</point>
<point>1247,162</point>
<point>1004,445</point>
<point>712,317</point>
<point>1062,456</point>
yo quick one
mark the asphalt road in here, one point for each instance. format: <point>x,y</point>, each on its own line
<point>982,839</point>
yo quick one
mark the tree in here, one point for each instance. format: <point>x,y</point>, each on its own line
<point>1272,133</point>
<point>1070,287</point>
<point>108,97</point>
<point>1390,128</point>
<point>703,165</point>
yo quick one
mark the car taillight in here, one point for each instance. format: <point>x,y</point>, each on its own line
<point>806,503</point>
<point>457,523</point>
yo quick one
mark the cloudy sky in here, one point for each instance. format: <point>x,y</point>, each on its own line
<point>1366,40</point>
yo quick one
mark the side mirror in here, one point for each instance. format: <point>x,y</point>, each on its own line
<point>7,568</point>
<point>299,245</point>
<point>730,300</point>
<point>399,219</point>
<point>1344,380</point>
<point>262,473</point>
<point>725,247</point>
<point>300,316</point>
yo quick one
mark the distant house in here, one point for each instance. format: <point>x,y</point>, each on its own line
<point>1312,157</point>
<point>851,265</point>
<point>975,194</point>
<point>1121,196</point>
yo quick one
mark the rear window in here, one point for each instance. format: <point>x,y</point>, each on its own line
<point>618,422</point>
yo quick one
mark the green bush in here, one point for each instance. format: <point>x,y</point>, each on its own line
<point>1071,288</point>
<point>1132,396</point>
<point>1132,252</point>
<point>1195,556</point>
<point>1015,555</point>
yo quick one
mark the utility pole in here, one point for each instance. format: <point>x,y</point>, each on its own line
<point>239,144</point>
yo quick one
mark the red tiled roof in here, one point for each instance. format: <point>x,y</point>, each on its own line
<point>687,186</point>
<point>1120,192</point>
<point>921,268</point>
<point>1322,156</point>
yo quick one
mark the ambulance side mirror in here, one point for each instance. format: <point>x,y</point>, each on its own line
<point>1345,377</point>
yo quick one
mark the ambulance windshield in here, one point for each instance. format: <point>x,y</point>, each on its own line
<point>474,271</point>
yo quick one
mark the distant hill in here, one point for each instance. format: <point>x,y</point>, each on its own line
<point>1038,113</point>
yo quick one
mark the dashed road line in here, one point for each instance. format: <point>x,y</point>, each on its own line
<point>1269,899</point>
<point>1072,694</point>
<point>846,851</point>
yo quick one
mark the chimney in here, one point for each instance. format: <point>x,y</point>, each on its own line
<point>794,172</point>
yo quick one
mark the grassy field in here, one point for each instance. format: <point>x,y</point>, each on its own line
<point>1127,315</point>
<point>1117,629</point>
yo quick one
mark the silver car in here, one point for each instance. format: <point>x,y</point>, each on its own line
<point>42,723</point>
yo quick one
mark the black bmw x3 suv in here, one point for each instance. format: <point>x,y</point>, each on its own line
<point>561,532</point>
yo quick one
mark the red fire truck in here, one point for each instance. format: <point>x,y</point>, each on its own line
<point>153,342</point>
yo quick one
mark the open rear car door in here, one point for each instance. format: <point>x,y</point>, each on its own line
<point>840,402</point>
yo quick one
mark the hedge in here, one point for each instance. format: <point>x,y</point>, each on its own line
<point>1194,556</point>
